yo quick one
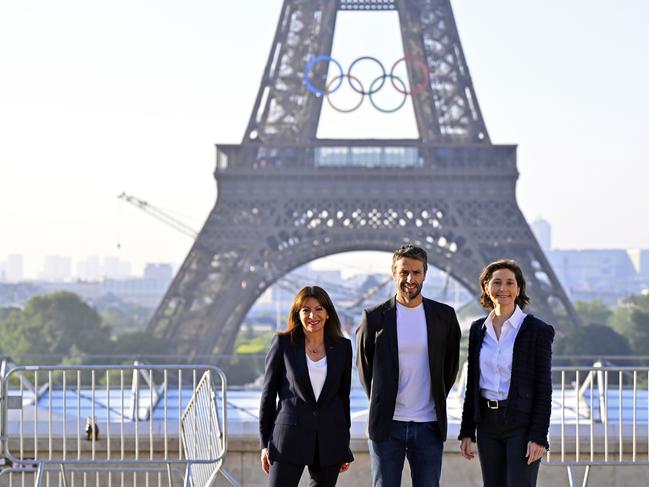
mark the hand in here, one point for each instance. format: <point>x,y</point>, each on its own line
<point>344,467</point>
<point>466,448</point>
<point>534,452</point>
<point>265,461</point>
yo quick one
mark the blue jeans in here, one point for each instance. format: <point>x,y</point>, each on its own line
<point>420,442</point>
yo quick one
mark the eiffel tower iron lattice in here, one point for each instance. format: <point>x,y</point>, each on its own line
<point>286,197</point>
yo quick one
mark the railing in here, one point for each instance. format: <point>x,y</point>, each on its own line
<point>367,154</point>
<point>118,425</point>
<point>600,416</point>
<point>603,418</point>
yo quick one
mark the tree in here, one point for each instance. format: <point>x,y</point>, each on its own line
<point>620,320</point>
<point>139,344</point>
<point>51,328</point>
<point>593,312</point>
<point>640,331</point>
<point>592,340</point>
<point>125,319</point>
<point>632,320</point>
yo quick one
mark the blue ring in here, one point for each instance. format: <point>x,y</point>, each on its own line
<point>309,67</point>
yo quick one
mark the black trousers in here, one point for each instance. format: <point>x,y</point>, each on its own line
<point>284,474</point>
<point>502,449</point>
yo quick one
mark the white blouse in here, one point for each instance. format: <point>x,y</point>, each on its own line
<point>496,356</point>
<point>317,374</point>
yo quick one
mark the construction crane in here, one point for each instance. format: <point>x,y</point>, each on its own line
<point>159,215</point>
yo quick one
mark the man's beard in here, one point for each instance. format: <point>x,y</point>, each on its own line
<point>410,294</point>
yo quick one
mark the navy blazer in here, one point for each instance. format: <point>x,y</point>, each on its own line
<point>292,427</point>
<point>377,360</point>
<point>530,390</point>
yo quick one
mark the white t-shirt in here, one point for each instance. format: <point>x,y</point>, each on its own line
<point>414,396</point>
<point>317,374</point>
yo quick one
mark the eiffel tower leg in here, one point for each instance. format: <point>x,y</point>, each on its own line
<point>497,229</point>
<point>214,288</point>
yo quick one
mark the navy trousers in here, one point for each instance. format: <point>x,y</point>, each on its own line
<point>502,448</point>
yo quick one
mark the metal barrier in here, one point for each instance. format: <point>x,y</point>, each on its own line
<point>603,418</point>
<point>113,425</point>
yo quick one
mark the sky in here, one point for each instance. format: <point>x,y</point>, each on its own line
<point>97,98</point>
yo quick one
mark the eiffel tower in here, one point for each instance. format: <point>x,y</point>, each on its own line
<point>286,198</point>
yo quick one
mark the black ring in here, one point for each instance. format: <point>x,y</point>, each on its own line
<point>349,76</point>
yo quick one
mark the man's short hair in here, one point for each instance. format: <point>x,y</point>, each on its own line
<point>412,252</point>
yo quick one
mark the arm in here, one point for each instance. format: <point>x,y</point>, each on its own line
<point>272,382</point>
<point>346,383</point>
<point>365,353</point>
<point>452,361</point>
<point>468,426</point>
<point>542,406</point>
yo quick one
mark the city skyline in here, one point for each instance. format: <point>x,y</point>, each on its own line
<point>131,96</point>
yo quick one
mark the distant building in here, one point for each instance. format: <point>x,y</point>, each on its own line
<point>11,270</point>
<point>543,232</point>
<point>607,275</point>
<point>159,272</point>
<point>90,269</point>
<point>114,268</point>
<point>640,260</point>
<point>56,268</point>
<point>145,291</point>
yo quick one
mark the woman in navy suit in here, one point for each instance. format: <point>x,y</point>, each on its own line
<point>509,385</point>
<point>308,367</point>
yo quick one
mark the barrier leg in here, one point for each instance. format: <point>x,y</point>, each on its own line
<point>169,474</point>
<point>65,480</point>
<point>572,476</point>
<point>188,472</point>
<point>39,475</point>
<point>228,476</point>
<point>583,484</point>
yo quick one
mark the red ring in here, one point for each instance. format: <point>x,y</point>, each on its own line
<point>417,88</point>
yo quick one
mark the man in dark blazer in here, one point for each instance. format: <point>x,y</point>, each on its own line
<point>407,355</point>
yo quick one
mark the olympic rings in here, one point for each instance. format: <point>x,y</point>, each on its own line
<point>374,87</point>
<point>309,67</point>
<point>403,101</point>
<point>361,92</point>
<point>382,77</point>
<point>424,69</point>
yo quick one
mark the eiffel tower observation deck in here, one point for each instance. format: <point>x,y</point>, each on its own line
<point>287,197</point>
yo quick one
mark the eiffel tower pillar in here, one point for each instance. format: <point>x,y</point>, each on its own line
<point>286,198</point>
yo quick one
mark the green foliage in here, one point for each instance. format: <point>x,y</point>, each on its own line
<point>593,312</point>
<point>242,369</point>
<point>52,327</point>
<point>140,344</point>
<point>256,345</point>
<point>621,321</point>
<point>632,320</point>
<point>125,318</point>
<point>592,340</point>
<point>640,332</point>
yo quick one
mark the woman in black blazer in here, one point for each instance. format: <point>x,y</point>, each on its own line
<point>509,385</point>
<point>308,367</point>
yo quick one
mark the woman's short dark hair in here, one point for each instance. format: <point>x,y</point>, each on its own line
<point>332,326</point>
<point>412,252</point>
<point>521,300</point>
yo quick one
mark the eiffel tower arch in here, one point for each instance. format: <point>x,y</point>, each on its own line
<point>286,197</point>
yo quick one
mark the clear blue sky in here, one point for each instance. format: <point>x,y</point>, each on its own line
<point>101,97</point>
